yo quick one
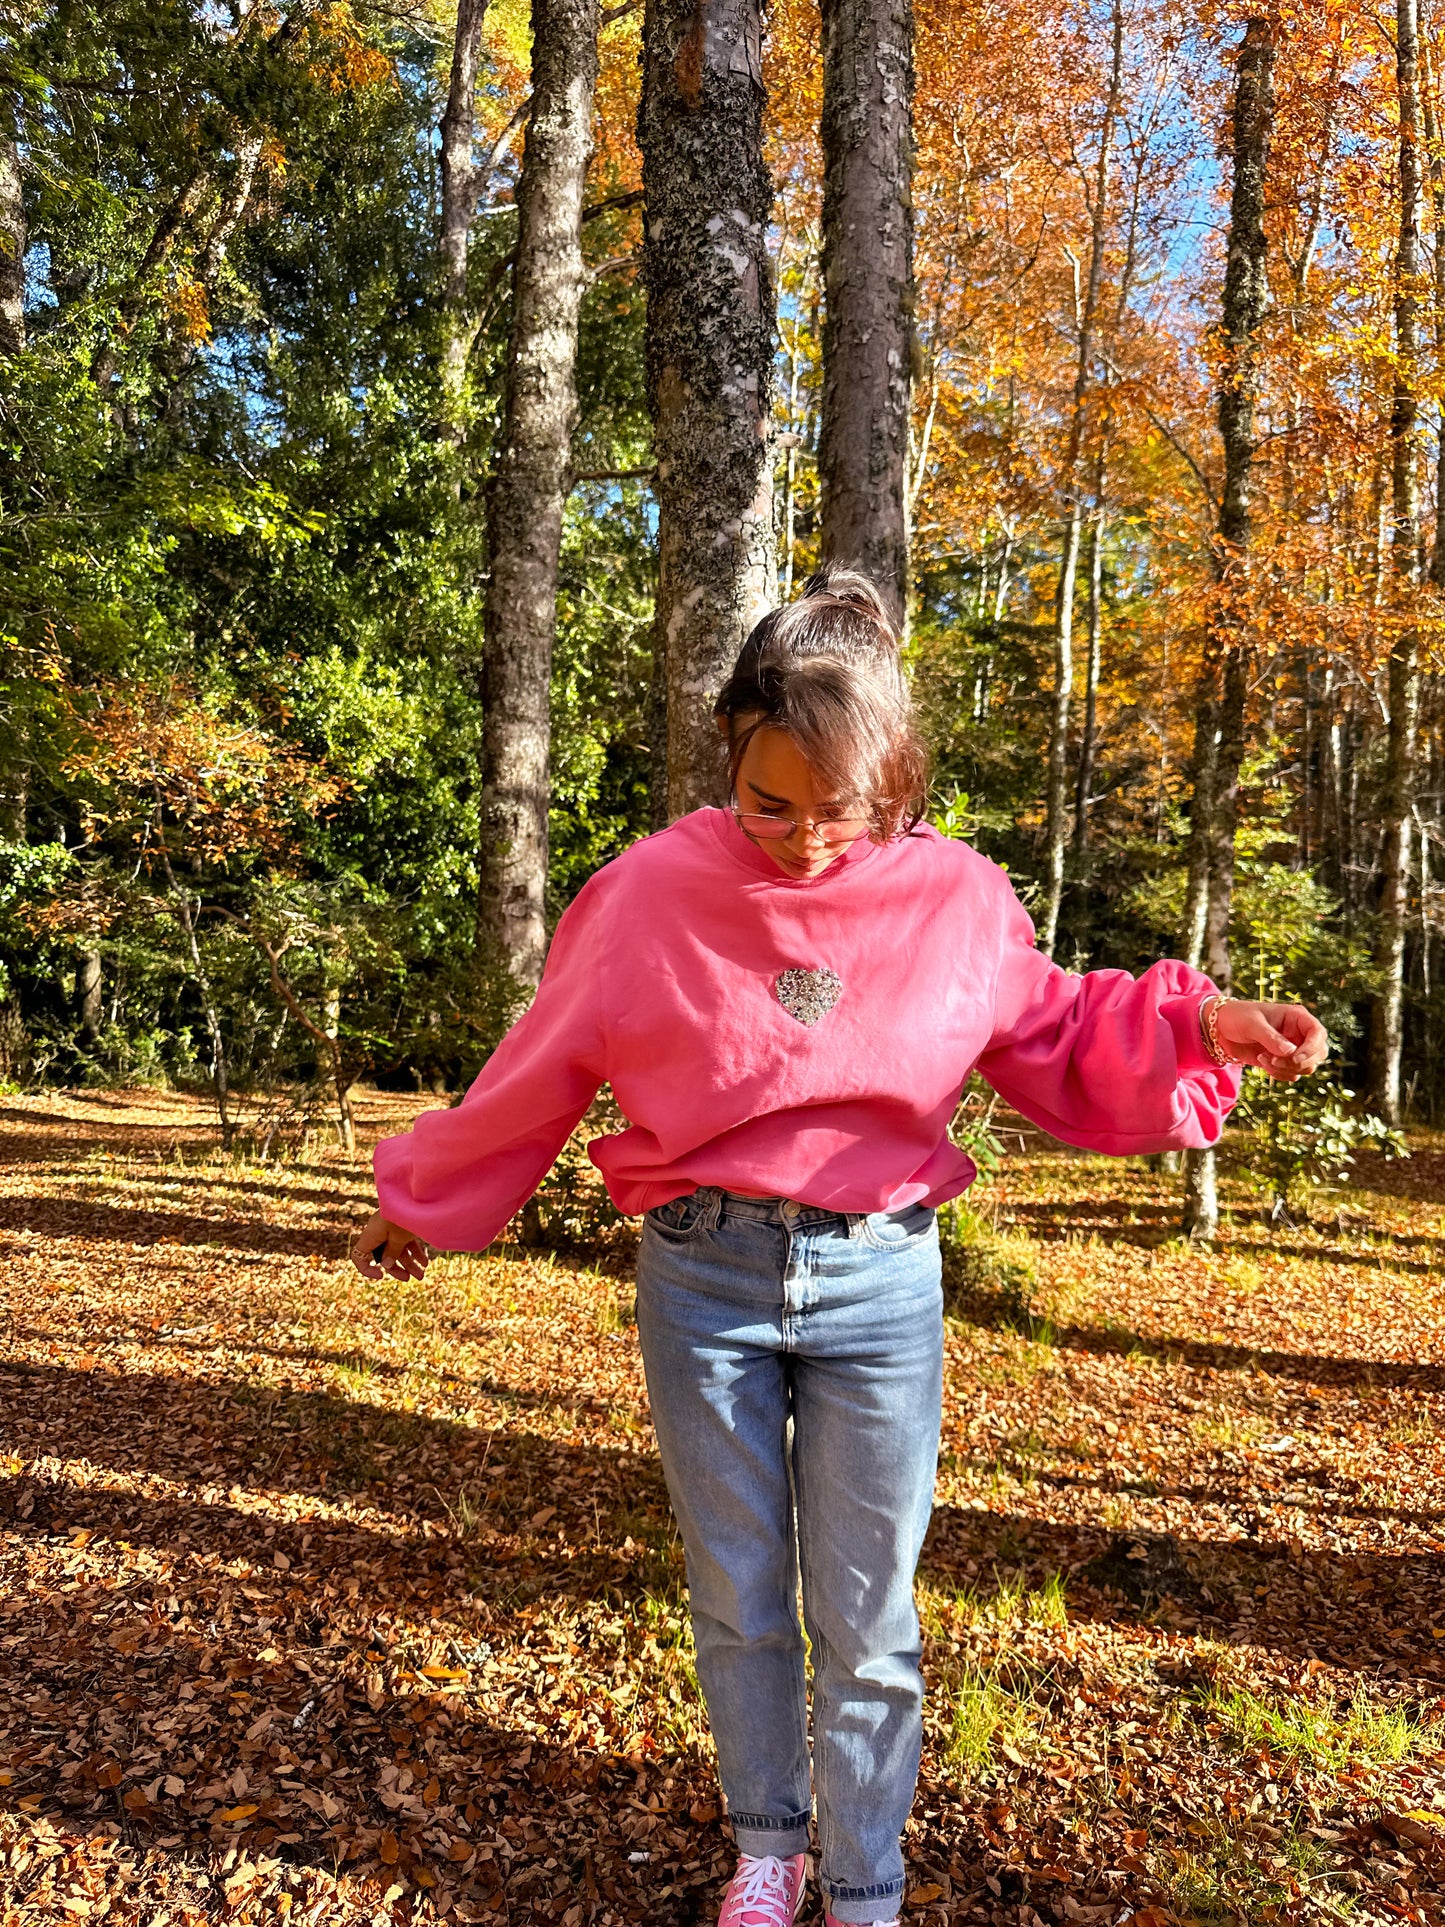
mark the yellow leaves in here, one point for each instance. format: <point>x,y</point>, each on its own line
<point>237,1816</point>
<point>186,301</point>
<point>344,61</point>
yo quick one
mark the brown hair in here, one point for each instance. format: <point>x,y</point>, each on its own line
<point>826,670</point>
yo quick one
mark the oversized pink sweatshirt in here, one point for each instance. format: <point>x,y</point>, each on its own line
<point>802,1038</point>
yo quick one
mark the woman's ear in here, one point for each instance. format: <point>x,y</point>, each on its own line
<point>722,726</point>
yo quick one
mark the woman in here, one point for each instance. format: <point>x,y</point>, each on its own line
<point>786,997</point>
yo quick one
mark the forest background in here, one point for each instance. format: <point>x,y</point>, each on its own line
<point>269,314</point>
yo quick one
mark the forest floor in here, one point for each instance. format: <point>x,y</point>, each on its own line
<point>325,1601</point>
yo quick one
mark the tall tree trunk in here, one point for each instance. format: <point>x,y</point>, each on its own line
<point>1056,834</point>
<point>867,132</point>
<point>1089,741</point>
<point>1429,106</point>
<point>530,485</point>
<point>12,242</point>
<point>710,318</point>
<point>1387,1017</point>
<point>458,206</point>
<point>1220,741</point>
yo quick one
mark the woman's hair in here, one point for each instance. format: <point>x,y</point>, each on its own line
<point>826,670</point>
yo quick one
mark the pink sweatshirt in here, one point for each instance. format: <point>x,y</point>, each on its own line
<point>667,978</point>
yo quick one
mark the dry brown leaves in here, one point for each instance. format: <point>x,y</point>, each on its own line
<point>332,1602</point>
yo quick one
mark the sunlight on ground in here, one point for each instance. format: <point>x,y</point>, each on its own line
<point>334,1601</point>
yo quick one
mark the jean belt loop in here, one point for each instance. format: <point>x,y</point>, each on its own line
<point>713,1209</point>
<point>856,1222</point>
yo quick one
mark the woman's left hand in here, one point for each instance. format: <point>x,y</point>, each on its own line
<point>1285,1041</point>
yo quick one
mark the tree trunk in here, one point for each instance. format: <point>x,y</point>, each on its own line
<point>458,206</point>
<point>530,485</point>
<point>1430,118</point>
<point>12,246</point>
<point>1387,1017</point>
<point>1056,834</point>
<point>867,134</point>
<point>1220,736</point>
<point>710,316</point>
<point>1089,742</point>
<point>89,1004</point>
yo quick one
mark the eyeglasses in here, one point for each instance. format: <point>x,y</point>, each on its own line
<point>773,829</point>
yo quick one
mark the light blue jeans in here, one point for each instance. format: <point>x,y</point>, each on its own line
<point>794,1363</point>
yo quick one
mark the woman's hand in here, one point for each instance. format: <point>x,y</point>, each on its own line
<point>1283,1040</point>
<point>384,1247</point>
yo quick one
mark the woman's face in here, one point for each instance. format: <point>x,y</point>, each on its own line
<point>775,779</point>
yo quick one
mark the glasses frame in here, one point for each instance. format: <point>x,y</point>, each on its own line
<point>795,822</point>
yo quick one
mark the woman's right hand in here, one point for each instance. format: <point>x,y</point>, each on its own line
<point>386,1248</point>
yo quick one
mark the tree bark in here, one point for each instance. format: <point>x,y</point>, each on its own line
<point>89,1005</point>
<point>1429,109</point>
<point>1089,742</point>
<point>867,259</point>
<point>710,323</point>
<point>1387,1016</point>
<point>12,246</point>
<point>458,206</point>
<point>1056,834</point>
<point>530,485</point>
<point>1220,736</point>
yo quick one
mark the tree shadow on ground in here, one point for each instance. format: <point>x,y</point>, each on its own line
<point>998,1311</point>
<point>1361,1611</point>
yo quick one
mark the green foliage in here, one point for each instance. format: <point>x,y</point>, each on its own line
<point>986,1272</point>
<point>1306,1135</point>
<point>1337,1736</point>
<point>257,516</point>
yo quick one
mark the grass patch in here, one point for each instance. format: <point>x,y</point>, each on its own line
<point>989,1276</point>
<point>1011,1602</point>
<point>994,1713</point>
<point>1228,1876</point>
<point>1333,1736</point>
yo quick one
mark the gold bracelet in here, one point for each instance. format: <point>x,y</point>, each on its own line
<point>1209,1024</point>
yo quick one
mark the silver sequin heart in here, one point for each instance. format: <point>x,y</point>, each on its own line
<point>808,994</point>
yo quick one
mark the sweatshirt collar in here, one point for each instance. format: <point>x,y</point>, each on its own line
<point>744,852</point>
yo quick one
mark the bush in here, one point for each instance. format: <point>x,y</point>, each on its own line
<point>1306,1136</point>
<point>988,1275</point>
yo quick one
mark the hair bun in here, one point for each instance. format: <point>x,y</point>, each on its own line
<point>850,589</point>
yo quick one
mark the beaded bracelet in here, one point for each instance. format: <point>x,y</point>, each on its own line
<point>1209,1023</point>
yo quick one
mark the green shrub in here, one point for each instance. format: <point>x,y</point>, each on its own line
<point>1305,1136</point>
<point>986,1271</point>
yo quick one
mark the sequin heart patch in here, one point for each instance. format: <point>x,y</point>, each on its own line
<point>808,994</point>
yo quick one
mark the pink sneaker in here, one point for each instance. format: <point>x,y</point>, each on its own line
<point>764,1892</point>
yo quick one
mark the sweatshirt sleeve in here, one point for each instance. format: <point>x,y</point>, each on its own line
<point>459,1175</point>
<point>1106,1061</point>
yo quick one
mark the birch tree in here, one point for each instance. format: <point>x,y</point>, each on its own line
<point>1056,834</point>
<point>1219,742</point>
<point>458,127</point>
<point>1387,1018</point>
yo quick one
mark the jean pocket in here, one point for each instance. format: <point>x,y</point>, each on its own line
<point>680,1219</point>
<point>899,1230</point>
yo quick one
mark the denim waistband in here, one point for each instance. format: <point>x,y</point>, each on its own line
<point>783,1211</point>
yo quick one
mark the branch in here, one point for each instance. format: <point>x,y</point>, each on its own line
<point>613,263</point>
<point>630,199</point>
